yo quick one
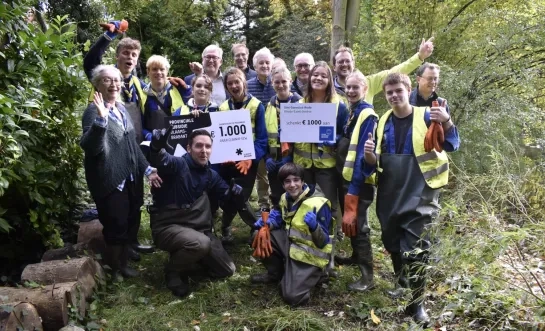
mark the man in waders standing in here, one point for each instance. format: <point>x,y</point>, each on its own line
<point>409,179</point>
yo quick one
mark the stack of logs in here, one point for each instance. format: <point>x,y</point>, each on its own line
<point>64,280</point>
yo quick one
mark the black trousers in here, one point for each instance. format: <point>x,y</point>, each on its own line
<point>134,227</point>
<point>247,182</point>
<point>297,278</point>
<point>118,212</point>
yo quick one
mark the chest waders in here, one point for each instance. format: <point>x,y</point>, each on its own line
<point>406,206</point>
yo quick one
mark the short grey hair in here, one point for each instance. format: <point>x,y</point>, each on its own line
<point>306,55</point>
<point>263,52</point>
<point>213,47</point>
<point>100,70</point>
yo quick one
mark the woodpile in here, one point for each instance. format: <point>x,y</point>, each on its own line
<point>19,316</point>
<point>61,284</point>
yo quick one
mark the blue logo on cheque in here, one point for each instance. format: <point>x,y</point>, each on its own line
<point>326,133</point>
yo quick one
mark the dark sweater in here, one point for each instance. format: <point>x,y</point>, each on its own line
<point>111,153</point>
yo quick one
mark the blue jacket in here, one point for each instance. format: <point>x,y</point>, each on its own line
<point>295,88</point>
<point>416,99</point>
<point>324,215</point>
<point>361,169</point>
<point>94,57</point>
<point>211,107</point>
<point>262,92</point>
<point>250,73</point>
<point>184,181</point>
<point>153,105</point>
<point>260,142</point>
<point>342,118</point>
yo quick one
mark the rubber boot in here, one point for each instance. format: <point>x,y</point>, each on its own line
<point>364,252</point>
<point>133,254</point>
<point>400,275</point>
<point>116,257</point>
<point>175,283</point>
<point>226,221</point>
<point>349,261</point>
<point>264,278</point>
<point>124,268</point>
<point>417,282</point>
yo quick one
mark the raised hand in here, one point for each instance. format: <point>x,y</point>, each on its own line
<point>195,68</point>
<point>102,111</point>
<point>426,48</point>
<point>311,220</point>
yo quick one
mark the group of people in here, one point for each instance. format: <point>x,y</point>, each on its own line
<point>312,192</point>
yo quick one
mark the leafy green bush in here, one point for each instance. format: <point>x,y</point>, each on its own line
<point>42,87</point>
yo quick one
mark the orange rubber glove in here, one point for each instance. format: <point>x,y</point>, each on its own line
<point>435,136</point>
<point>244,166</point>
<point>123,27</point>
<point>350,217</point>
<point>285,148</point>
<point>262,241</point>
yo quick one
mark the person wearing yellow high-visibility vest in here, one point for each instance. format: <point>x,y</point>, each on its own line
<point>319,159</point>
<point>201,86</point>
<point>163,98</point>
<point>409,181</point>
<point>244,172</point>
<point>133,97</point>
<point>299,237</point>
<point>357,180</point>
<point>276,158</point>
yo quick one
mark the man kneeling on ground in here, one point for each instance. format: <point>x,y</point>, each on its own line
<point>299,237</point>
<point>181,220</point>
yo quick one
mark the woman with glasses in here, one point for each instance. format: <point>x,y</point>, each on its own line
<point>244,172</point>
<point>113,161</point>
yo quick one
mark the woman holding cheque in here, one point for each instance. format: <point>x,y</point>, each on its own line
<point>244,172</point>
<point>318,159</point>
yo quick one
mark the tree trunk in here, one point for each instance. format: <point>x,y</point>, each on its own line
<point>82,270</point>
<point>338,27</point>
<point>51,301</point>
<point>352,20</point>
<point>19,316</point>
<point>90,233</point>
<point>77,250</point>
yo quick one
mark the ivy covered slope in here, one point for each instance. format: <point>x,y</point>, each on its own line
<point>42,89</point>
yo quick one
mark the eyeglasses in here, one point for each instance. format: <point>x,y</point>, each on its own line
<point>109,80</point>
<point>212,58</point>
<point>302,66</point>
<point>344,62</point>
<point>431,79</point>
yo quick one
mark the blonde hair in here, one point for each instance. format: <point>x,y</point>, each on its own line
<point>359,76</point>
<point>281,70</point>
<point>157,61</point>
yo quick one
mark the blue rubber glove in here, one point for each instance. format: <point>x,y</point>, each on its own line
<point>112,35</point>
<point>236,190</point>
<point>259,224</point>
<point>311,220</point>
<point>275,219</point>
<point>270,164</point>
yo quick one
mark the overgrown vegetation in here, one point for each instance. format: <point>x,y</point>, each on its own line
<point>487,266</point>
<point>41,89</point>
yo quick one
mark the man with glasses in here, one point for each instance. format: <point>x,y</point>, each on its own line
<point>302,63</point>
<point>211,64</point>
<point>240,54</point>
<point>344,64</point>
<point>427,80</point>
